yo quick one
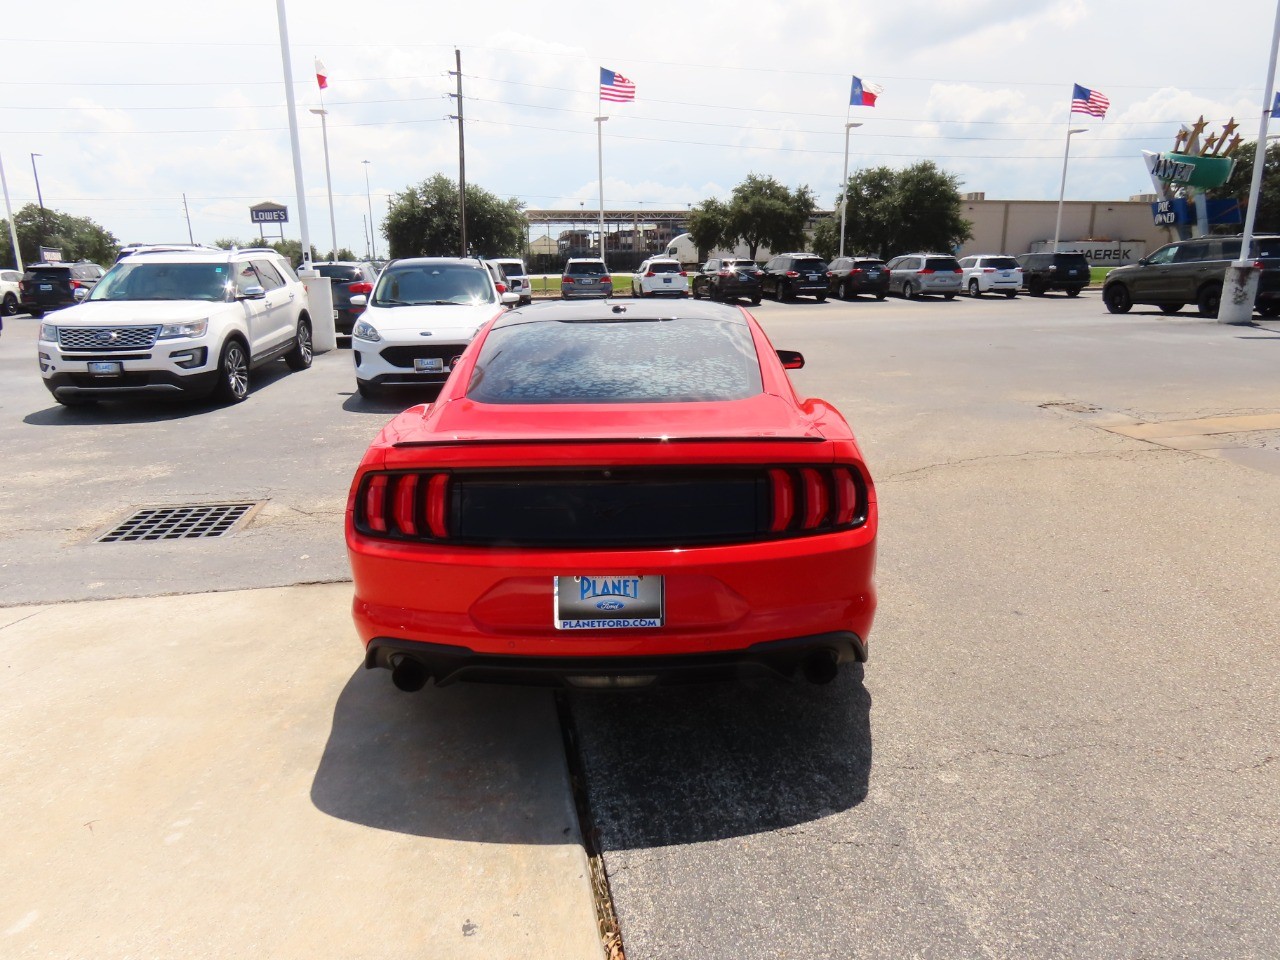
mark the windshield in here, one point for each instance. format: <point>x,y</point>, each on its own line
<point>338,271</point>
<point>435,283</point>
<point>1001,263</point>
<point>606,361</point>
<point>146,280</point>
<point>590,268</point>
<point>664,266</point>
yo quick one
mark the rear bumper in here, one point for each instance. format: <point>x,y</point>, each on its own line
<point>446,664</point>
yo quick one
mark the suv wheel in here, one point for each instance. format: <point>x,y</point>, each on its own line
<point>1035,288</point>
<point>974,290</point>
<point>233,373</point>
<point>1116,298</point>
<point>784,292</point>
<point>1073,291</point>
<point>1209,299</point>
<point>299,358</point>
<point>35,313</point>
<point>697,291</point>
<point>908,290</point>
<point>1171,307</point>
<point>10,304</point>
<point>847,292</point>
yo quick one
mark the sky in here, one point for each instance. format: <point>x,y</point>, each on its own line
<point>130,106</point>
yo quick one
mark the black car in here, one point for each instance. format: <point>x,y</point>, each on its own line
<point>1192,271</point>
<point>789,275</point>
<point>48,286</point>
<point>1042,272</point>
<point>347,279</point>
<point>728,279</point>
<point>849,276</point>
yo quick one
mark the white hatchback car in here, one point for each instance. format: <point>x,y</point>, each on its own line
<point>660,277</point>
<point>174,322</point>
<point>991,273</point>
<point>419,319</point>
<point>518,280</point>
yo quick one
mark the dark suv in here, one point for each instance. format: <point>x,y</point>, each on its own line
<point>849,276</point>
<point>1192,271</point>
<point>1042,272</point>
<point>345,280</point>
<point>791,274</point>
<point>48,286</point>
<point>728,280</point>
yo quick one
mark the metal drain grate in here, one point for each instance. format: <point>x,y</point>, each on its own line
<point>192,522</point>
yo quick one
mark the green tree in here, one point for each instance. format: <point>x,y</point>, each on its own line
<point>764,212</point>
<point>79,238</point>
<point>897,211</point>
<point>1267,219</point>
<point>423,221</point>
<point>709,226</point>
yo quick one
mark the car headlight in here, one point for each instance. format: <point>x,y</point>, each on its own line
<point>364,330</point>
<point>48,332</point>
<point>191,328</point>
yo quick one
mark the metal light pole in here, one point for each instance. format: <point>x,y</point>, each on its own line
<point>36,173</point>
<point>293,138</point>
<point>8,210</point>
<point>368,196</point>
<point>1062,189</point>
<point>328,180</point>
<point>600,168</point>
<point>844,184</point>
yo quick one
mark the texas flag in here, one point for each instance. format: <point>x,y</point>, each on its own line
<point>864,94</point>
<point>322,75</point>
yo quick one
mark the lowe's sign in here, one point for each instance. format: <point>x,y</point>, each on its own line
<point>268,213</point>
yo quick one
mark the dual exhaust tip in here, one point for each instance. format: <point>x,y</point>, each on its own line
<point>818,667</point>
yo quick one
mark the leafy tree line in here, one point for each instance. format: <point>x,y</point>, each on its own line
<point>424,221</point>
<point>79,238</point>
<point>1268,216</point>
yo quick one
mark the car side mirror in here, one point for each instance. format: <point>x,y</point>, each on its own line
<point>253,293</point>
<point>791,359</point>
<point>1143,261</point>
<point>79,293</point>
<point>359,300</point>
<point>509,298</point>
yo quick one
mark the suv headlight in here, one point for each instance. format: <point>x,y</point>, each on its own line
<point>364,330</point>
<point>191,328</point>
<point>49,332</point>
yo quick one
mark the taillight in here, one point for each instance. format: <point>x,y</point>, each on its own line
<point>75,284</point>
<point>815,499</point>
<point>926,270</point>
<point>792,273</point>
<point>502,287</point>
<point>566,279</point>
<point>726,273</point>
<point>988,269</point>
<point>684,273</point>
<point>606,279</point>
<point>1258,265</point>
<point>958,270</point>
<point>759,273</point>
<point>405,505</point>
<point>361,287</point>
<point>650,274</point>
<point>855,270</point>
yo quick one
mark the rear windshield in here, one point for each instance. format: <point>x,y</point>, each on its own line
<point>616,361</point>
<point>742,264</point>
<point>339,272</point>
<point>433,283</point>
<point>511,268</point>
<point>661,267</point>
<point>1070,260</point>
<point>809,263</point>
<point>50,273</point>
<point>1000,263</point>
<point>590,268</point>
<point>137,279</point>
<point>1268,249</point>
<point>942,263</point>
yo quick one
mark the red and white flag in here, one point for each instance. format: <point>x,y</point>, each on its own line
<point>322,75</point>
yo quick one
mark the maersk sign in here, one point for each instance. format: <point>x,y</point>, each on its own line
<point>1189,171</point>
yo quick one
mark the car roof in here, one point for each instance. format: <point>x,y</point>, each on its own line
<point>607,310</point>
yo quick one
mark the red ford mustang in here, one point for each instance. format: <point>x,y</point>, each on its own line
<point>609,494</point>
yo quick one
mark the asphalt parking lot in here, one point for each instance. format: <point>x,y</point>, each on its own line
<point>1064,744</point>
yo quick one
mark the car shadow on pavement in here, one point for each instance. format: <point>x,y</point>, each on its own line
<point>689,764</point>
<point>463,762</point>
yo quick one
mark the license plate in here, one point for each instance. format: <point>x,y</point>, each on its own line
<point>591,602</point>
<point>428,365</point>
<point>105,368</point>
<point>335,314</point>
<point>46,286</point>
<point>666,279</point>
<point>586,283</point>
<point>815,276</point>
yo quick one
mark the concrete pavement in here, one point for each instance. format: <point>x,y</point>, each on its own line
<point>216,775</point>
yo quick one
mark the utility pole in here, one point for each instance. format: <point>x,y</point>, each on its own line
<point>187,213</point>
<point>462,154</point>
<point>13,230</point>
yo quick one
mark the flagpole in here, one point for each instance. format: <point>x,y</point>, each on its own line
<point>328,179</point>
<point>844,183</point>
<point>600,164</point>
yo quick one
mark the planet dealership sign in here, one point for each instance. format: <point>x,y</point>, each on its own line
<point>1182,174</point>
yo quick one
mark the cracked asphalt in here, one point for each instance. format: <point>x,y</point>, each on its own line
<point>1065,741</point>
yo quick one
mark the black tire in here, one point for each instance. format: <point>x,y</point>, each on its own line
<point>1116,298</point>
<point>847,292</point>
<point>10,305</point>
<point>1035,289</point>
<point>1171,307</point>
<point>974,290</point>
<point>1209,299</point>
<point>1269,310</point>
<point>233,373</point>
<point>1073,292</point>
<point>36,313</point>
<point>697,294</point>
<point>755,301</point>
<point>784,293</point>
<point>299,358</point>
<point>1010,294</point>
<point>909,291</point>
<point>821,297</point>
<point>368,390</point>
<point>881,296</point>
<point>948,296</point>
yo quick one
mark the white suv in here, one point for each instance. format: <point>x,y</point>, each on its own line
<point>190,321</point>
<point>660,276</point>
<point>422,314</point>
<point>991,273</point>
<point>517,277</point>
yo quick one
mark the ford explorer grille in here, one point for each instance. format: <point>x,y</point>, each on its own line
<point>107,338</point>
